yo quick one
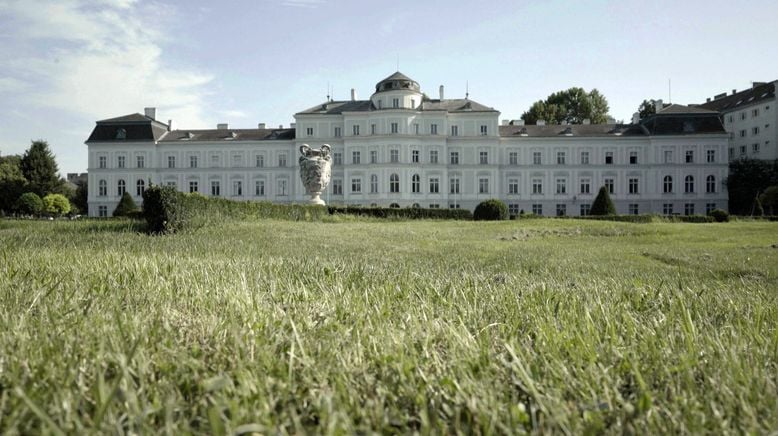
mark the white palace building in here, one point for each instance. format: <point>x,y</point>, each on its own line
<point>401,148</point>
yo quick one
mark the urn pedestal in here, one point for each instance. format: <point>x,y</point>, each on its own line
<point>315,171</point>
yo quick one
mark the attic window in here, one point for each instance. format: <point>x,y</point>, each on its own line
<point>523,131</point>
<point>688,127</point>
<point>189,135</point>
<point>121,134</point>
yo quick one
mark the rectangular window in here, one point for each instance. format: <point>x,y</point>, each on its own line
<point>453,185</point>
<point>513,158</point>
<point>120,161</point>
<point>755,147</point>
<point>743,115</point>
<point>259,188</point>
<point>709,208</point>
<point>373,156</point>
<point>337,187</point>
<point>281,187</point>
<point>560,157</point>
<point>483,186</point>
<point>373,184</point>
<point>140,161</point>
<point>633,186</point>
<point>537,209</point>
<point>355,157</point>
<point>513,209</point>
<point>282,160</point>
<point>102,162</point>
<point>434,185</point>
<point>395,127</point>
<point>237,160</point>
<point>688,209</point>
<point>484,131</point>
<point>585,158</point>
<point>355,130</point>
<point>609,158</point>
<point>743,133</point>
<point>172,184</point>
<point>755,112</point>
<point>434,206</point>
<point>237,188</point>
<point>192,161</point>
<point>536,158</point>
<point>214,160</point>
<point>710,156</point>
<point>356,185</point>
<point>667,208</point>
<point>416,129</point>
<point>609,185</point>
<point>192,186</point>
<point>394,156</point>
<point>454,130</point>
<point>633,209</point>
<point>585,208</point>
<point>585,186</point>
<point>513,186</point>
<point>743,150</point>
<point>309,131</point>
<point>454,158</point>
<point>633,157</point>
<point>260,160</point>
<point>171,161</point>
<point>337,158</point>
<point>689,156</point>
<point>561,186</point>
<point>483,157</point>
<point>433,156</point>
<point>561,209</point>
<point>338,133</point>
<point>373,129</point>
<point>731,152</point>
<point>395,103</point>
<point>102,211</point>
<point>755,130</point>
<point>215,188</point>
<point>415,156</point>
<point>668,156</point>
<point>537,186</point>
<point>433,129</point>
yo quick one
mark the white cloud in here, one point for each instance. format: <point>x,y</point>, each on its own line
<point>98,58</point>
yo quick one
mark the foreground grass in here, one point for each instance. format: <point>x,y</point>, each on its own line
<point>561,326</point>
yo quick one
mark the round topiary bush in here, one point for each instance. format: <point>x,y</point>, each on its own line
<point>491,210</point>
<point>29,203</point>
<point>56,204</point>
<point>720,215</point>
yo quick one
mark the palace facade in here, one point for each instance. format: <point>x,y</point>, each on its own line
<point>401,148</point>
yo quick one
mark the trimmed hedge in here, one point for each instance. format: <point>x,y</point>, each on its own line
<point>643,219</point>
<point>407,213</point>
<point>491,210</point>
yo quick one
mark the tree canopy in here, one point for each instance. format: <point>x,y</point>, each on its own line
<point>570,106</point>
<point>12,182</point>
<point>40,169</point>
<point>646,109</point>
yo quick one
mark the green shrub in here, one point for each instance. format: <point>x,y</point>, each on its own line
<point>603,205</point>
<point>719,215</point>
<point>29,203</point>
<point>56,204</point>
<point>163,209</point>
<point>126,206</point>
<point>490,210</point>
<point>406,213</point>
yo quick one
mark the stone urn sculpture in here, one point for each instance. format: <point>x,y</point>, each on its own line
<point>315,171</point>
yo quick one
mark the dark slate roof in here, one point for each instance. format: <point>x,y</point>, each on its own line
<point>227,135</point>
<point>338,107</point>
<point>681,109</point>
<point>689,123</point>
<point>398,76</point>
<point>579,130</point>
<point>397,81</point>
<point>743,98</point>
<point>136,127</point>
<point>454,105</point>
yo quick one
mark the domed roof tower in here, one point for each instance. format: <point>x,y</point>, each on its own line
<point>397,91</point>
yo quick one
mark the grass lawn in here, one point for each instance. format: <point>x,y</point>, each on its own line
<point>540,325</point>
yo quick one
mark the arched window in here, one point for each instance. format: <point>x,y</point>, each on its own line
<point>394,183</point>
<point>102,188</point>
<point>668,185</point>
<point>394,206</point>
<point>415,206</point>
<point>710,184</point>
<point>689,184</point>
<point>415,184</point>
<point>121,187</point>
<point>140,186</point>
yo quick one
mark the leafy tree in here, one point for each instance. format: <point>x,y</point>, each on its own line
<point>603,205</point>
<point>40,169</point>
<point>770,199</point>
<point>647,108</point>
<point>126,205</point>
<point>572,106</point>
<point>29,203</point>
<point>747,178</point>
<point>56,204</point>
<point>12,182</point>
<point>79,198</point>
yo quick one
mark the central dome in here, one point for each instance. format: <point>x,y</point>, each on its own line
<point>397,82</point>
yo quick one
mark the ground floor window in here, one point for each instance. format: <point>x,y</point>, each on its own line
<point>259,188</point>
<point>513,209</point>
<point>585,208</point>
<point>237,188</point>
<point>434,206</point>
<point>633,209</point>
<point>537,209</point>
<point>667,208</point>
<point>102,211</point>
<point>192,186</point>
<point>215,188</point>
<point>561,209</point>
<point>394,206</point>
<point>337,187</point>
<point>688,209</point>
<point>709,207</point>
<point>454,206</point>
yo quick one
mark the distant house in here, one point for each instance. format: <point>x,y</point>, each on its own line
<point>402,148</point>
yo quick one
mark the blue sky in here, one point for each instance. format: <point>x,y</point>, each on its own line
<point>66,63</point>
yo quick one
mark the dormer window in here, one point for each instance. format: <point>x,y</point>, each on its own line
<point>121,134</point>
<point>688,127</point>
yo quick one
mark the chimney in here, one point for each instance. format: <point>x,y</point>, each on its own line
<point>150,112</point>
<point>169,125</point>
<point>659,105</point>
<point>441,92</point>
<point>734,91</point>
<point>222,126</point>
<point>587,121</point>
<point>280,126</point>
<point>353,94</point>
<point>707,100</point>
<point>636,118</point>
<point>541,123</point>
<point>518,122</point>
<point>505,122</point>
<point>292,125</point>
<point>261,125</point>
